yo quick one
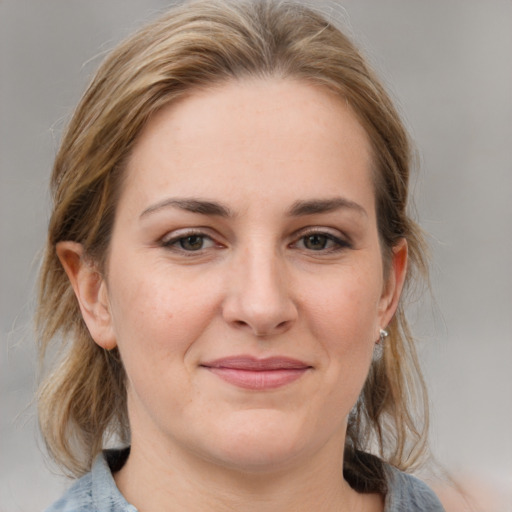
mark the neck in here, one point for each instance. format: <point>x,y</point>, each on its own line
<point>150,481</point>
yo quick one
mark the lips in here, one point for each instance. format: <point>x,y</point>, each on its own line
<point>258,374</point>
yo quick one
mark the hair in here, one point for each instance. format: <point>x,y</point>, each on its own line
<point>198,44</point>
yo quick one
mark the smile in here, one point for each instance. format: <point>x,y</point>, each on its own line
<point>257,374</point>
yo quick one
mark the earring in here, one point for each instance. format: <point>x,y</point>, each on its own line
<point>383,334</point>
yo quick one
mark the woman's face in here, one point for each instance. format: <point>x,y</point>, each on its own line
<point>245,286</point>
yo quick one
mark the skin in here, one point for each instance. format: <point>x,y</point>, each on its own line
<point>263,275</point>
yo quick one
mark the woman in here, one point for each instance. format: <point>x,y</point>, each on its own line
<point>226,255</point>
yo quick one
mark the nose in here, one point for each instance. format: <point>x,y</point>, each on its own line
<point>259,298</point>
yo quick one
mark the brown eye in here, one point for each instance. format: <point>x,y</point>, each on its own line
<point>322,242</point>
<point>192,242</point>
<point>186,243</point>
<point>316,242</point>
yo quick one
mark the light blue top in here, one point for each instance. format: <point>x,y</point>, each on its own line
<point>97,492</point>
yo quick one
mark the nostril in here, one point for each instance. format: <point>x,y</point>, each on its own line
<point>261,314</point>
<point>282,326</point>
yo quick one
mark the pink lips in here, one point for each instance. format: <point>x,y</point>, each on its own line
<point>259,374</point>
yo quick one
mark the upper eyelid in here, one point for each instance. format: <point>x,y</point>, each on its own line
<point>322,230</point>
<point>184,232</point>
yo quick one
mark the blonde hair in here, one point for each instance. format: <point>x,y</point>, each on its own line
<point>197,44</point>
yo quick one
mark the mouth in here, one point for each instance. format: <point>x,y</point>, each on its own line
<point>248,372</point>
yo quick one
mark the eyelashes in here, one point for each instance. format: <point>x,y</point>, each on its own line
<point>189,242</point>
<point>321,241</point>
<point>192,243</point>
<point>314,241</point>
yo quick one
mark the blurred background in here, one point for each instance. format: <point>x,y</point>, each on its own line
<point>448,63</point>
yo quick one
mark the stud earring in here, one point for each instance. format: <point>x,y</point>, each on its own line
<point>383,334</point>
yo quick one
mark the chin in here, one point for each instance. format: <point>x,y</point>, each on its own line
<point>266,442</point>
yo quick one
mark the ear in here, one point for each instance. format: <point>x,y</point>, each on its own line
<point>90,290</point>
<point>394,284</point>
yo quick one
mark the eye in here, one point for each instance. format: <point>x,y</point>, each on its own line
<point>316,241</point>
<point>321,241</point>
<point>192,242</point>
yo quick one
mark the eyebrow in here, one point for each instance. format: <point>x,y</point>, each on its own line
<point>190,205</point>
<point>298,209</point>
<point>311,207</point>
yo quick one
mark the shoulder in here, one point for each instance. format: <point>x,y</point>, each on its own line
<point>94,492</point>
<point>78,498</point>
<point>407,493</point>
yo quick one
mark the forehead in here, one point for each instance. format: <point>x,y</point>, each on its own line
<point>252,136</point>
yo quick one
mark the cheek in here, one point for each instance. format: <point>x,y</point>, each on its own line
<point>157,317</point>
<point>157,321</point>
<point>345,321</point>
<point>346,310</point>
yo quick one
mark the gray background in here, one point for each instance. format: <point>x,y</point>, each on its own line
<point>450,64</point>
